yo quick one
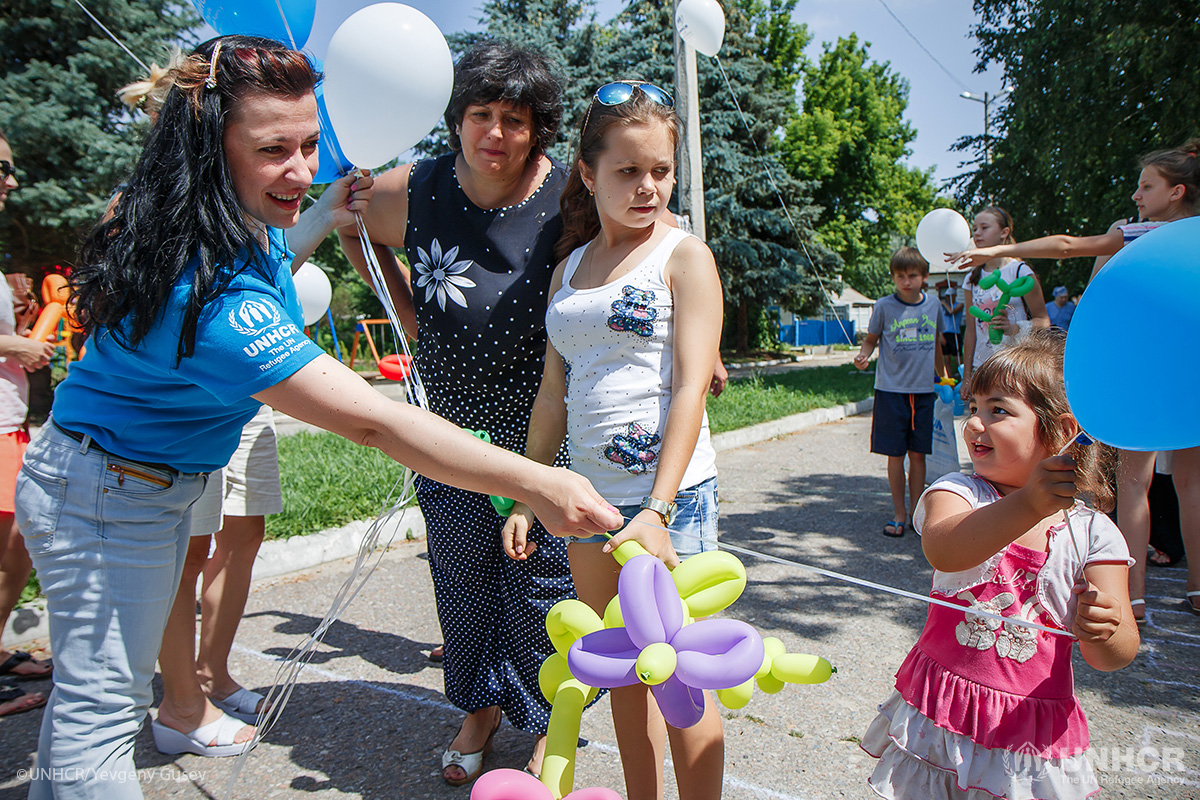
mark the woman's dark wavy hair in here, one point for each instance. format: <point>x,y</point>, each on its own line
<point>1032,369</point>
<point>180,202</point>
<point>581,222</point>
<point>495,69</point>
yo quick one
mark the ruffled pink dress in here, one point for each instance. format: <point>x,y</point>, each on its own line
<point>986,709</point>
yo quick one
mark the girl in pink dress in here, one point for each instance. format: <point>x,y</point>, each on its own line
<point>984,708</point>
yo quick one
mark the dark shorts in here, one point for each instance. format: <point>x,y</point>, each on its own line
<point>952,344</point>
<point>902,423</point>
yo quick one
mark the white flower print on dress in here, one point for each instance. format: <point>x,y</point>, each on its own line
<point>440,274</point>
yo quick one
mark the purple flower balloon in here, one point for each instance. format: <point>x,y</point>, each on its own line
<point>709,654</point>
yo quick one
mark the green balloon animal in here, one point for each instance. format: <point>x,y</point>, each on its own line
<point>1018,288</point>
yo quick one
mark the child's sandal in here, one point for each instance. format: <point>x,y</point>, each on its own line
<point>1191,605</point>
<point>1142,619</point>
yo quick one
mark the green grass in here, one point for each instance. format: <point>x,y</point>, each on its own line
<point>328,481</point>
<point>761,398</point>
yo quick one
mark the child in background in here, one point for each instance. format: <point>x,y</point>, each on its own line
<point>994,226</point>
<point>983,708</point>
<point>908,324</point>
<point>634,323</point>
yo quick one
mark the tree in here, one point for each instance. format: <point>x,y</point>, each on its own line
<point>763,257</point>
<point>1096,86</point>
<point>73,139</point>
<point>851,137</point>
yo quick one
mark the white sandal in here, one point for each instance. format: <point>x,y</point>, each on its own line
<point>242,704</point>
<point>470,763</point>
<point>1141,601</point>
<point>1192,606</point>
<point>171,742</point>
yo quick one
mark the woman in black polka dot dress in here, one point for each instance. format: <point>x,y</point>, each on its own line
<point>479,227</point>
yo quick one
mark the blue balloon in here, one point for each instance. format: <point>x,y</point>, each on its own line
<point>1127,382</point>
<point>333,162</point>
<point>288,21</point>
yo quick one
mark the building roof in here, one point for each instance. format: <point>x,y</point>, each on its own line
<point>850,297</point>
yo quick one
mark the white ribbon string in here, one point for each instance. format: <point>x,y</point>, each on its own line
<point>828,573</point>
<point>782,204</point>
<point>113,36</point>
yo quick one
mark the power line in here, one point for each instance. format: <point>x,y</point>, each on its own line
<point>913,36</point>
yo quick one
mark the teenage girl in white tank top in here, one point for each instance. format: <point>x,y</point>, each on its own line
<point>634,327</point>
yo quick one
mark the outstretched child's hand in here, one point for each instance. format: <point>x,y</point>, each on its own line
<point>515,534</point>
<point>1051,487</point>
<point>1098,616</point>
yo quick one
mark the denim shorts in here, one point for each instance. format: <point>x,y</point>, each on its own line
<point>695,527</point>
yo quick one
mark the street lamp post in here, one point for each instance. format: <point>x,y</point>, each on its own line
<point>986,99</point>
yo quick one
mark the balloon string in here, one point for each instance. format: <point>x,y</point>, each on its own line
<point>782,204</point>
<point>975,612</point>
<point>414,388</point>
<point>113,36</point>
<point>370,553</point>
<point>286,26</point>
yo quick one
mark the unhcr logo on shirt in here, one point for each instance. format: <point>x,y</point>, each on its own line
<point>253,316</point>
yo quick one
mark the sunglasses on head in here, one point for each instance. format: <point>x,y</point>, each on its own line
<point>618,92</point>
<point>7,170</point>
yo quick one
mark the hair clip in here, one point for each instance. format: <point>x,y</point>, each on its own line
<point>212,67</point>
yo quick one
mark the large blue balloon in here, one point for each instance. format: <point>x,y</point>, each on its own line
<point>1126,365</point>
<point>289,21</point>
<point>333,162</point>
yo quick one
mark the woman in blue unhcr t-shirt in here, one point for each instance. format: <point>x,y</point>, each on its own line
<point>194,320</point>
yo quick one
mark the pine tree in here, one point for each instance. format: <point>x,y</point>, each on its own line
<point>763,260</point>
<point>72,139</point>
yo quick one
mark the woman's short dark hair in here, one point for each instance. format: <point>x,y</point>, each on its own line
<point>495,69</point>
<point>180,203</point>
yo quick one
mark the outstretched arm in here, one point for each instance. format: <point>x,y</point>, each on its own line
<point>1059,246</point>
<point>327,394</point>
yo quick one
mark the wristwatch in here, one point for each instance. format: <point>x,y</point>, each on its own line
<point>661,507</point>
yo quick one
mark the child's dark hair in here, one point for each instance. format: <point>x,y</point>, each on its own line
<point>581,222</point>
<point>1006,221</point>
<point>1032,369</point>
<point>1179,166</point>
<point>907,259</point>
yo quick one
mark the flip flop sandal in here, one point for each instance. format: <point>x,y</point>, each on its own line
<point>9,694</point>
<point>897,529</point>
<point>242,704</point>
<point>9,667</point>
<point>171,742</point>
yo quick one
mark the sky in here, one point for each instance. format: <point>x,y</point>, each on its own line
<point>935,108</point>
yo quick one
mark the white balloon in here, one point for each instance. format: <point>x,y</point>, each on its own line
<point>330,15</point>
<point>701,23</point>
<point>942,231</point>
<point>388,77</point>
<point>314,290</point>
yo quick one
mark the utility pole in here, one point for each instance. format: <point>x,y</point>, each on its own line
<point>690,187</point>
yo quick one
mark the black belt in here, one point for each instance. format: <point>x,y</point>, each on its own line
<point>93,445</point>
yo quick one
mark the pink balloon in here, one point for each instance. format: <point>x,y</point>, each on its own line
<point>511,784</point>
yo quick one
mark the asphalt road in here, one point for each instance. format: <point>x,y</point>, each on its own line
<point>368,719</point>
